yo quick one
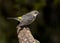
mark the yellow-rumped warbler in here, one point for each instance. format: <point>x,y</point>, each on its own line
<point>27,18</point>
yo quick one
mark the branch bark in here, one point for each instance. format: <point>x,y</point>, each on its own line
<point>25,36</point>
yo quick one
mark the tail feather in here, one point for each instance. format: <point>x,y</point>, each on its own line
<point>14,19</point>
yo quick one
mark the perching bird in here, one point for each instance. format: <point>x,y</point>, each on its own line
<point>27,18</point>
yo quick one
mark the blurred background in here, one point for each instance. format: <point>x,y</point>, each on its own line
<point>46,27</point>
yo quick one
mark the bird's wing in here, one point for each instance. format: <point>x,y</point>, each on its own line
<point>26,20</point>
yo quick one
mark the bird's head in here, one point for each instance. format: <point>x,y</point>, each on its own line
<point>34,12</point>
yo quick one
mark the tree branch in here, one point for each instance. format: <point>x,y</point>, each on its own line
<point>25,36</point>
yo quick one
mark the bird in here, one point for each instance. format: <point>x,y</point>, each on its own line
<point>27,18</point>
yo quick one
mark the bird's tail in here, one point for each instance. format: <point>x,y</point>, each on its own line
<point>13,18</point>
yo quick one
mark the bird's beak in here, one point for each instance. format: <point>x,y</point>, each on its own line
<point>38,13</point>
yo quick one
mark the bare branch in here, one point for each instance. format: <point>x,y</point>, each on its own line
<point>25,36</point>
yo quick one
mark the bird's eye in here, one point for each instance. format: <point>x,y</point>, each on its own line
<point>36,12</point>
